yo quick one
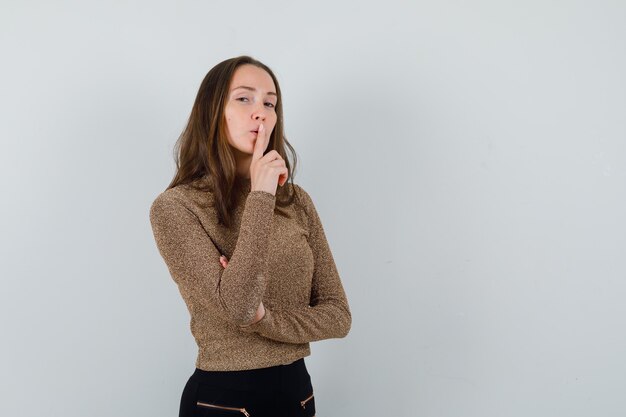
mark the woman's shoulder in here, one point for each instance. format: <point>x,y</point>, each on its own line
<point>189,195</point>
<point>303,202</point>
<point>302,195</point>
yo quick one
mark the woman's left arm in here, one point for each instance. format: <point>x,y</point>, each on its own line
<point>328,315</point>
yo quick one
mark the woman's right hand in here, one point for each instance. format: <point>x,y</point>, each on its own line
<point>266,171</point>
<point>260,313</point>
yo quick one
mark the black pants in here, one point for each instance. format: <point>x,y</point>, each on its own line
<point>277,391</point>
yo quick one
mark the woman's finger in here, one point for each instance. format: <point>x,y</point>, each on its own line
<point>260,144</point>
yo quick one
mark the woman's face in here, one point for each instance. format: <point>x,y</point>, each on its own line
<point>251,101</point>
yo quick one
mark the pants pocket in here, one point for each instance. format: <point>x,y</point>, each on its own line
<point>307,405</point>
<point>212,401</point>
<point>209,409</point>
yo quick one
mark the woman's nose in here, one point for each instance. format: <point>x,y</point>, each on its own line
<point>259,113</point>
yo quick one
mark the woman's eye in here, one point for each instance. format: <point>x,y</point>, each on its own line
<point>246,98</point>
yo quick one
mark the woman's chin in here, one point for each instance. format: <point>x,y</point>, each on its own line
<point>244,149</point>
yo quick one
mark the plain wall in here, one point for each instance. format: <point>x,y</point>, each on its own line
<point>467,159</point>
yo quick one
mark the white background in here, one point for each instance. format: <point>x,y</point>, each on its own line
<point>468,161</point>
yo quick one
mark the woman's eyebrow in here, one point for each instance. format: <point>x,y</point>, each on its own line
<point>271,93</point>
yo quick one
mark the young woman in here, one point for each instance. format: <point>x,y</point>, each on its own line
<point>247,251</point>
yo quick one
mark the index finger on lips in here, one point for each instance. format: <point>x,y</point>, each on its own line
<point>260,143</point>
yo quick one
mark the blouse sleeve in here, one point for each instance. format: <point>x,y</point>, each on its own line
<point>193,259</point>
<point>328,314</point>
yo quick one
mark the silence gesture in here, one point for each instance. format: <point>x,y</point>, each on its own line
<point>266,171</point>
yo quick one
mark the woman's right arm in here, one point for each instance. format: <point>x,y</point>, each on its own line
<point>193,259</point>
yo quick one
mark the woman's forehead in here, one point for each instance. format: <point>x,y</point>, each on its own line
<point>250,76</point>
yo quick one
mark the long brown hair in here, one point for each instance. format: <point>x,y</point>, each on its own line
<point>203,151</point>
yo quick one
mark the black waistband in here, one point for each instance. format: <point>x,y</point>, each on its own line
<point>250,379</point>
